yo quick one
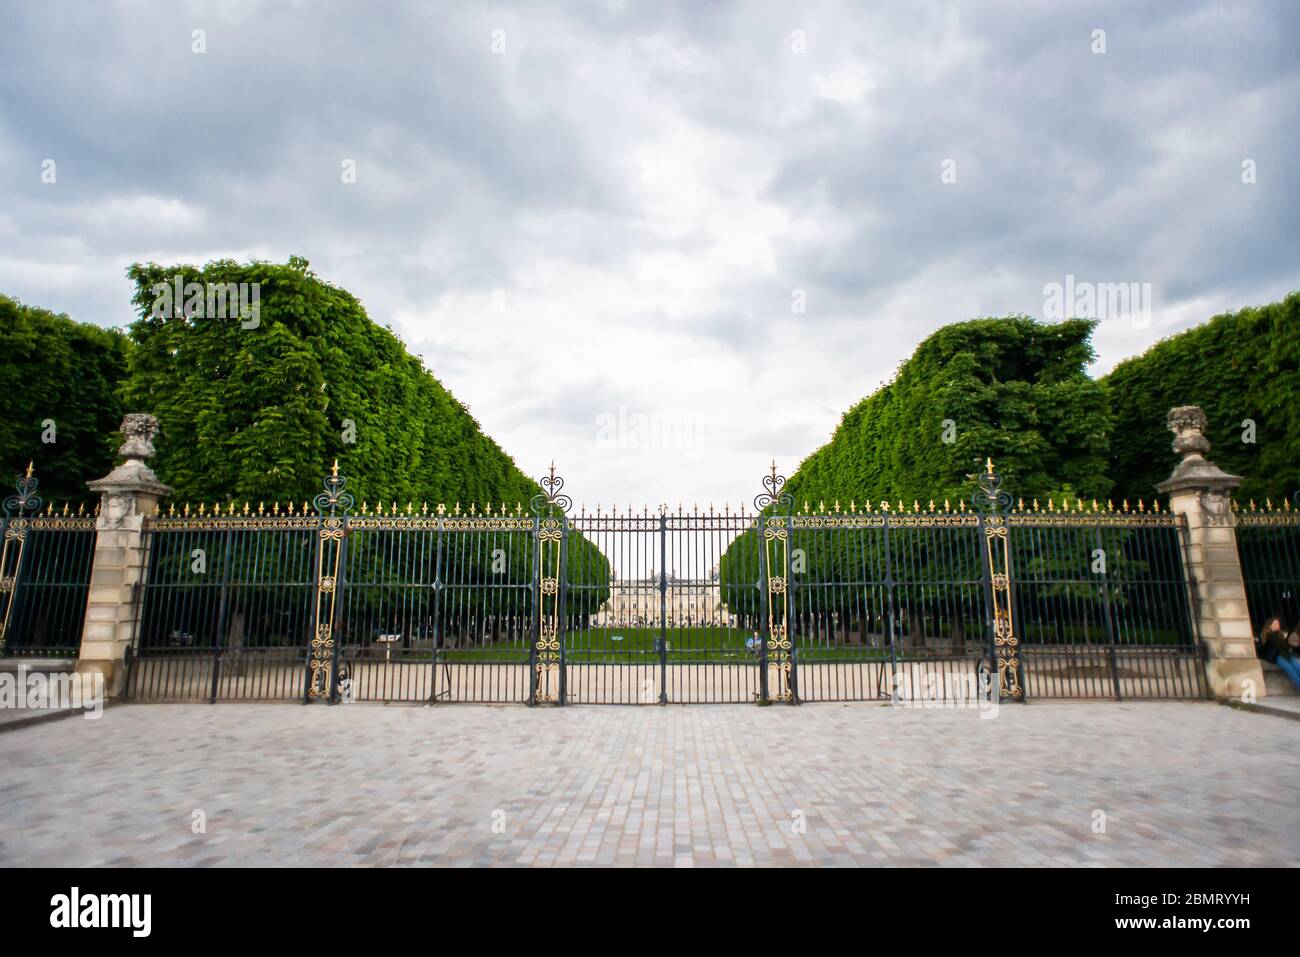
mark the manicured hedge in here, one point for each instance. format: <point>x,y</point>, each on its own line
<point>53,369</point>
<point>1012,388</point>
<point>260,413</point>
<point>1238,366</point>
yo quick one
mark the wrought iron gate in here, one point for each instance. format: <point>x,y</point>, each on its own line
<point>45,561</point>
<point>539,605</point>
<point>1268,542</point>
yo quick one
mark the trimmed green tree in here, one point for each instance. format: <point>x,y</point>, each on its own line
<point>59,406</point>
<point>255,408</point>
<point>1012,389</point>
<point>1243,369</point>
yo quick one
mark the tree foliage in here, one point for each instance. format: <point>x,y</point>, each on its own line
<point>259,413</point>
<point>1237,367</point>
<point>66,373</point>
<point>1012,389</point>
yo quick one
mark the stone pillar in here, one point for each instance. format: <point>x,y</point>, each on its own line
<point>129,493</point>
<point>1202,492</point>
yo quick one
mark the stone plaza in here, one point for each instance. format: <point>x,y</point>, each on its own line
<point>1040,784</point>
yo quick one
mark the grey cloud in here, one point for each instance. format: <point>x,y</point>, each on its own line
<point>778,171</point>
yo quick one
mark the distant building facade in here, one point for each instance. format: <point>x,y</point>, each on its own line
<point>635,602</point>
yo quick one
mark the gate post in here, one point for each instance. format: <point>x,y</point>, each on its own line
<point>992,503</point>
<point>15,528</point>
<point>548,650</point>
<point>332,507</point>
<point>130,493</point>
<point>774,530</point>
<point>788,625</point>
<point>764,613</point>
<point>663,604</point>
<point>561,597</point>
<point>535,616</point>
<point>1201,492</point>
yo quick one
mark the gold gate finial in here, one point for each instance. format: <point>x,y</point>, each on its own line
<point>989,463</point>
<point>335,470</point>
<point>29,469</point>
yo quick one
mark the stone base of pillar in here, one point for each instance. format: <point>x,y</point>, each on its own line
<point>107,660</point>
<point>1236,677</point>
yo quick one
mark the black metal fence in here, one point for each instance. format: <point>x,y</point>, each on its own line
<point>933,604</point>
<point>1103,605</point>
<point>890,603</point>
<point>227,608</point>
<point>438,609</point>
<point>1268,543</point>
<point>45,563</point>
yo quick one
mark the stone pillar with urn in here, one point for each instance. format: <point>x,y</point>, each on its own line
<point>1201,492</point>
<point>129,493</point>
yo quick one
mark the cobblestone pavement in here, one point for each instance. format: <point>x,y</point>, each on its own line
<point>1178,783</point>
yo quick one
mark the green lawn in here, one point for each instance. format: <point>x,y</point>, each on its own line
<point>707,643</point>
<point>635,645</point>
<point>624,645</point>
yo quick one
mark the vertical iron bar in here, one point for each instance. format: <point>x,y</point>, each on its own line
<point>535,592</point>
<point>1106,607</point>
<point>891,623</point>
<point>561,594</point>
<point>663,604</point>
<point>786,612</point>
<point>221,614</point>
<point>764,574</point>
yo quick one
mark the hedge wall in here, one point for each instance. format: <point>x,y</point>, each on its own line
<point>1238,366</point>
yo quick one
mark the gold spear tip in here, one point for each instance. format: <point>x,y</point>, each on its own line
<point>989,463</point>
<point>335,470</point>
<point>29,469</point>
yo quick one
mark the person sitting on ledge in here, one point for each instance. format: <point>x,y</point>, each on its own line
<point>1272,645</point>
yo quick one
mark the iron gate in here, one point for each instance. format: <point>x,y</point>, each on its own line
<point>774,605</point>
<point>45,561</point>
<point>537,604</point>
<point>1268,543</point>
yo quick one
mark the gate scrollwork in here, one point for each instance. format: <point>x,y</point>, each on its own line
<point>550,508</point>
<point>993,502</point>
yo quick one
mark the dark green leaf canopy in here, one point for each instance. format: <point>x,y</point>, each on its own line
<point>260,413</point>
<point>58,380</point>
<point>1237,367</point>
<point>1012,389</point>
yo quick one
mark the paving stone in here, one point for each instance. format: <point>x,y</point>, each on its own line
<point>1180,784</point>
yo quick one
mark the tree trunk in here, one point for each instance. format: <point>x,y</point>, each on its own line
<point>915,633</point>
<point>235,642</point>
<point>958,634</point>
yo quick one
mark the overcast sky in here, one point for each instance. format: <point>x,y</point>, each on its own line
<point>661,243</point>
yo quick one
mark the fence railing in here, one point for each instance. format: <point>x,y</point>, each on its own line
<point>421,607</point>
<point>45,562</point>
<point>890,602</point>
<point>1268,543</point>
<point>1103,605</point>
<point>505,604</point>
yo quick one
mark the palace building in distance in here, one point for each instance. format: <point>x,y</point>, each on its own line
<point>635,602</point>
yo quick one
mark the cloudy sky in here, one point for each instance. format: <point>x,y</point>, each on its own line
<point>661,243</point>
